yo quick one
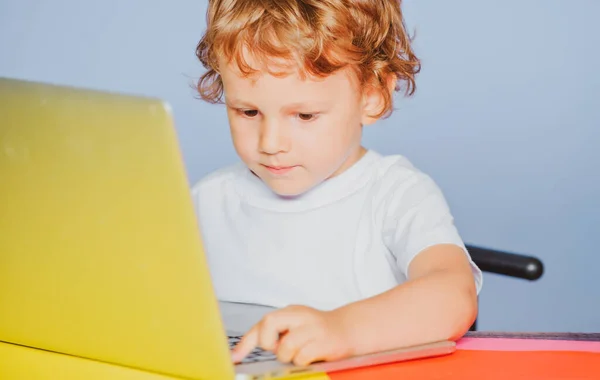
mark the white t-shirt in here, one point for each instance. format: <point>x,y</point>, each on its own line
<point>348,238</point>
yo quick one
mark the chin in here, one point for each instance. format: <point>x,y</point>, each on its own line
<point>287,186</point>
<point>288,189</point>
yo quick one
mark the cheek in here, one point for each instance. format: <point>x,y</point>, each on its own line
<point>339,133</point>
<point>243,140</point>
<point>327,143</point>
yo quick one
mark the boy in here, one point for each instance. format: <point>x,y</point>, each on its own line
<point>357,251</point>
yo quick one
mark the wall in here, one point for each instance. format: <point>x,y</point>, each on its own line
<point>506,119</point>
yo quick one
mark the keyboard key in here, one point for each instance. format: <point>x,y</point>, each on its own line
<point>256,355</point>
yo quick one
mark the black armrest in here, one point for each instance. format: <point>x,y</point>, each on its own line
<point>509,264</point>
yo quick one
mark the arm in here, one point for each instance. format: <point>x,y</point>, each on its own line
<point>439,299</point>
<point>438,302</point>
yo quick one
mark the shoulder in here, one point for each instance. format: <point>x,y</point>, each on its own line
<point>212,193</point>
<point>396,167</point>
<point>396,177</point>
<point>214,182</point>
<point>403,194</point>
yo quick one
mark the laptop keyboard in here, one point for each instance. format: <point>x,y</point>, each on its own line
<point>257,355</point>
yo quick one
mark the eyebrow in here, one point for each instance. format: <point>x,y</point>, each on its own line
<point>306,105</point>
<point>292,106</point>
<point>238,103</point>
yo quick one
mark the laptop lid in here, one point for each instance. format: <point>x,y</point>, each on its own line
<point>100,253</point>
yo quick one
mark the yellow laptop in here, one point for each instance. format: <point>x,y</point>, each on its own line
<point>100,253</point>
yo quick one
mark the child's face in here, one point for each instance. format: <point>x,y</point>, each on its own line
<point>295,133</point>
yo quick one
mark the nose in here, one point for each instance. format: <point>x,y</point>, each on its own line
<point>274,137</point>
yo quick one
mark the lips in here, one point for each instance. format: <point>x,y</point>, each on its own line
<point>279,169</point>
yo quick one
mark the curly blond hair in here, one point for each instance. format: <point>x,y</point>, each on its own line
<point>318,36</point>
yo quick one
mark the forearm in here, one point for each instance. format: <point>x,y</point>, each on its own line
<point>436,306</point>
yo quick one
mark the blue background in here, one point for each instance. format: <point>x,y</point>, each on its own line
<point>506,119</point>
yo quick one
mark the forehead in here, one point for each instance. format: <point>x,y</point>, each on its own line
<point>285,80</point>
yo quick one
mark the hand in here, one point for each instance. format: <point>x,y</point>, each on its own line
<point>297,334</point>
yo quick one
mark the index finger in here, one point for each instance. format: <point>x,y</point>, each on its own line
<point>246,345</point>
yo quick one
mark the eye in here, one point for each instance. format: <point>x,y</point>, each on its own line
<point>248,113</point>
<point>306,116</point>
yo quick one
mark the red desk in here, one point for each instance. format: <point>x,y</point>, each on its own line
<point>509,356</point>
<point>500,356</point>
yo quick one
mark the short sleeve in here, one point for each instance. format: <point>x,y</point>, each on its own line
<point>417,217</point>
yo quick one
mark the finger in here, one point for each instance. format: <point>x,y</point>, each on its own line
<point>248,342</point>
<point>290,343</point>
<point>268,332</point>
<point>309,353</point>
<point>281,335</point>
<point>274,325</point>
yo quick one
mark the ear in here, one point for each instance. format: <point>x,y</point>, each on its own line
<point>374,100</point>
